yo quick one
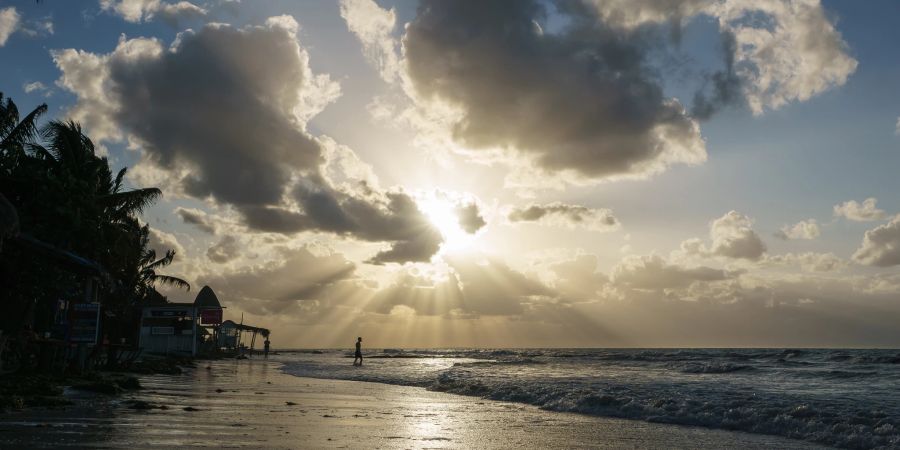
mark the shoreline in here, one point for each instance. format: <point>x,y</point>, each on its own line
<point>253,404</point>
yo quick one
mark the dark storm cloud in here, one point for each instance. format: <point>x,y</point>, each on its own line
<point>470,219</point>
<point>393,217</point>
<point>224,109</point>
<point>223,251</point>
<point>582,99</point>
<point>222,103</point>
<point>571,215</point>
<point>196,218</point>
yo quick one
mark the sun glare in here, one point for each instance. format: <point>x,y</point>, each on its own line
<point>442,213</point>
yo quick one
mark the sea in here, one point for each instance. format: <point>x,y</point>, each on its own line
<point>837,397</point>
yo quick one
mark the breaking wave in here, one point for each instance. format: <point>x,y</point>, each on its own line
<point>842,398</point>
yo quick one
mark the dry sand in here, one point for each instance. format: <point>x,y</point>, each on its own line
<point>252,404</point>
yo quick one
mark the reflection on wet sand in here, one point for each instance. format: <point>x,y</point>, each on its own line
<point>252,404</point>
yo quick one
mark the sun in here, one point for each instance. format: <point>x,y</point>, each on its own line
<point>442,212</point>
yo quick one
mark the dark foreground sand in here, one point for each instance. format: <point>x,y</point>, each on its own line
<point>252,411</point>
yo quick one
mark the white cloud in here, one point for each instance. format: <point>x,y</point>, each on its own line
<point>786,50</point>
<point>161,242</point>
<point>732,236</point>
<point>808,262</point>
<point>137,11</point>
<point>805,229</point>
<point>9,22</point>
<point>654,272</point>
<point>373,26</point>
<point>881,245</point>
<point>865,212</point>
<point>37,86</point>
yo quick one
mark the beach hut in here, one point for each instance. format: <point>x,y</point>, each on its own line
<point>177,327</point>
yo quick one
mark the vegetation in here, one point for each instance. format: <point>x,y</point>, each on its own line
<point>66,197</point>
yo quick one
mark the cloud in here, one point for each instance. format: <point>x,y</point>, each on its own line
<point>137,11</point>
<point>865,212</point>
<point>470,219</point>
<point>37,86</point>
<point>581,101</point>
<point>223,251</point>
<point>38,27</point>
<point>227,123</point>
<point>578,279</point>
<point>654,272</point>
<point>574,95</point>
<point>390,216</point>
<point>373,26</point>
<point>805,229</point>
<point>881,245</point>
<point>784,51</point>
<point>808,262</point>
<point>9,22</point>
<point>732,236</point>
<point>277,286</point>
<point>573,216</point>
<point>776,52</point>
<point>897,127</point>
<point>196,217</point>
<point>161,242</point>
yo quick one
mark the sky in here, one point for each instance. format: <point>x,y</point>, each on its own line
<point>568,173</point>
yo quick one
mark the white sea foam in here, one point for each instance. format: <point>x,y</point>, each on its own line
<point>844,398</point>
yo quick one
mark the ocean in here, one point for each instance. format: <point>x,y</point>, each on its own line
<point>842,398</point>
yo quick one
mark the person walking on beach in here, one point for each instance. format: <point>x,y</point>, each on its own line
<point>266,348</point>
<point>358,355</point>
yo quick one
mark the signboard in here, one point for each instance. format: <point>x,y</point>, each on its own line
<point>85,322</point>
<point>210,316</point>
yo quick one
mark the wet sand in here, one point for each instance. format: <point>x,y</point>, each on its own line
<point>252,404</point>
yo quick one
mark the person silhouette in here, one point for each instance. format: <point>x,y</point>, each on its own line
<point>358,355</point>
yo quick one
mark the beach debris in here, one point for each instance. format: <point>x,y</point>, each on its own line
<point>290,403</point>
<point>191,408</point>
<point>220,390</point>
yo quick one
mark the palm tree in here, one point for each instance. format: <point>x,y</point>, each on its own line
<point>15,134</point>
<point>141,277</point>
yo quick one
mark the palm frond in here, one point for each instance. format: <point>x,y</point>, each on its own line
<point>130,202</point>
<point>117,185</point>
<point>25,131</point>
<point>162,262</point>
<point>172,281</point>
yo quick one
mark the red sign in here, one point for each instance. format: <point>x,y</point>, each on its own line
<point>210,316</point>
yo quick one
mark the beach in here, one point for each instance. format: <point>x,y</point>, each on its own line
<point>253,404</point>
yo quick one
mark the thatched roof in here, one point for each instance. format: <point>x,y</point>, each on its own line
<point>207,299</point>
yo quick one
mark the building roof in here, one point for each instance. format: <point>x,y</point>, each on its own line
<point>207,299</point>
<point>232,324</point>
